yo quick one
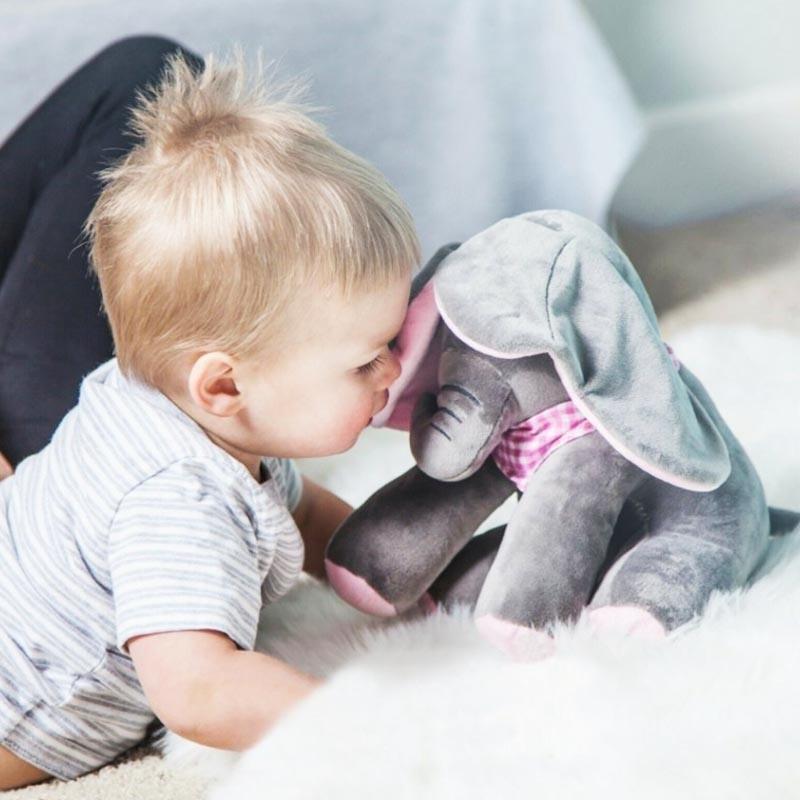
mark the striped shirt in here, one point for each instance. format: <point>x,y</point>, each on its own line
<point>131,521</point>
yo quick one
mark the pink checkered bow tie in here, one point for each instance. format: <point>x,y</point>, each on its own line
<point>524,448</point>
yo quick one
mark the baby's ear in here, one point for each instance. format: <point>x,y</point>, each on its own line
<point>212,384</point>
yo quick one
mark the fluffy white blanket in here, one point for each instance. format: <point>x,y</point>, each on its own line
<point>424,708</point>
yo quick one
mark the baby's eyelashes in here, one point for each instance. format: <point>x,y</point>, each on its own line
<point>372,366</point>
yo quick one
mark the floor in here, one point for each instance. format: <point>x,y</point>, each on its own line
<point>742,268</point>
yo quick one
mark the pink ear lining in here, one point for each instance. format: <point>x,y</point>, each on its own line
<point>575,396</point>
<point>412,345</point>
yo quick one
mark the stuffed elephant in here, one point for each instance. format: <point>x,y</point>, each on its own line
<point>532,362</point>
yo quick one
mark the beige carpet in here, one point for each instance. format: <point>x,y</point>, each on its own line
<point>744,268</point>
<point>141,776</point>
<point>721,260</point>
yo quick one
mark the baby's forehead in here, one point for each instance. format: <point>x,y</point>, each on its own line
<point>364,319</point>
<point>361,306</point>
<point>361,331</point>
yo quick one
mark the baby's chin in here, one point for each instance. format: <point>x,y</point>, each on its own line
<point>343,444</point>
<point>357,434</point>
<point>354,438</point>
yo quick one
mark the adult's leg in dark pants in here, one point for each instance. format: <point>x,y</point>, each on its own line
<point>52,329</point>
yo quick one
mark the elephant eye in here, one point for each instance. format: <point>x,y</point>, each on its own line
<point>366,369</point>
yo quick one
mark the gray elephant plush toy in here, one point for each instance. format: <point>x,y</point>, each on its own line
<point>532,361</point>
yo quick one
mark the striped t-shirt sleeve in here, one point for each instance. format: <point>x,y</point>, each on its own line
<point>183,556</point>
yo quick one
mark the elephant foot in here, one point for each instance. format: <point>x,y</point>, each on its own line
<point>427,604</point>
<point>627,620</point>
<point>357,592</point>
<point>517,641</point>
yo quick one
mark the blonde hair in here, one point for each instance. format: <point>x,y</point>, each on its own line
<point>232,201</point>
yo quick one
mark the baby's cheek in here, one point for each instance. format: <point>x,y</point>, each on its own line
<point>342,432</point>
<point>356,412</point>
<point>333,407</point>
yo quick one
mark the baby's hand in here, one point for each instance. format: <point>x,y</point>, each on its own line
<point>5,468</point>
<point>317,516</point>
<point>203,688</point>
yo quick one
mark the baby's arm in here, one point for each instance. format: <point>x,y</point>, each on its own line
<point>205,689</point>
<point>5,467</point>
<point>318,514</point>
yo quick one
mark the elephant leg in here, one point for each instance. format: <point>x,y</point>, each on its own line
<point>699,542</point>
<point>387,553</point>
<point>670,576</point>
<point>462,580</point>
<point>555,544</point>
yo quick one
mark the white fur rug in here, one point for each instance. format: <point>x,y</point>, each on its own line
<point>424,708</point>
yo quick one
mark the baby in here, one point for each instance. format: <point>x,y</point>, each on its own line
<point>253,273</point>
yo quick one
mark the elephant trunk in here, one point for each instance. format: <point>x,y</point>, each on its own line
<point>453,433</point>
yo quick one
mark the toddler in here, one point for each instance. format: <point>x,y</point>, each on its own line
<point>253,273</point>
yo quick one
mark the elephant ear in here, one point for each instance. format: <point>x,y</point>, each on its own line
<point>417,349</point>
<point>553,282</point>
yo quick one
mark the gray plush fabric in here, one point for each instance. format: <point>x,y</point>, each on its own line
<point>535,309</point>
<point>552,282</point>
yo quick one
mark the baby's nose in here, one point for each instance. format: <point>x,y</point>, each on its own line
<point>392,369</point>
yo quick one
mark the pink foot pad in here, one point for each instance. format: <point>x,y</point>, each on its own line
<point>428,604</point>
<point>357,592</point>
<point>627,620</point>
<point>517,641</point>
